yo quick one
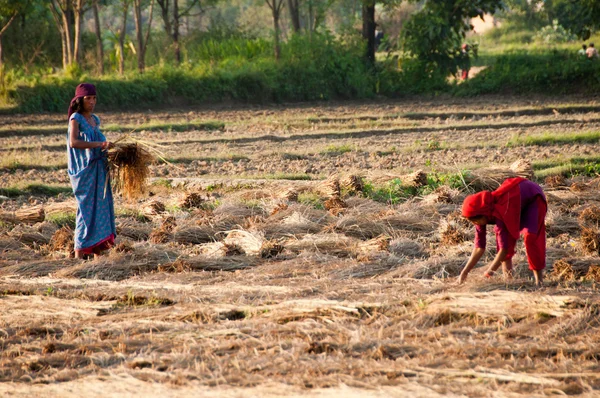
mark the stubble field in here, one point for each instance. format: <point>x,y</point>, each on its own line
<point>304,250</point>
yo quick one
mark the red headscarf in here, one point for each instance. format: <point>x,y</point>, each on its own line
<point>82,90</point>
<point>504,203</point>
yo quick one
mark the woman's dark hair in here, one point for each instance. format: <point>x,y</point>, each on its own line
<point>78,105</point>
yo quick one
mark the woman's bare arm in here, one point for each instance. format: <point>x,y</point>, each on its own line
<point>475,256</point>
<point>77,143</point>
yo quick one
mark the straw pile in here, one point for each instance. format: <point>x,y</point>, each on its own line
<point>450,235</point>
<point>63,241</point>
<point>153,208</point>
<point>555,181</point>
<point>220,249</point>
<point>416,179</point>
<point>442,194</point>
<point>362,227</point>
<point>287,193</point>
<point>522,168</point>
<point>178,266</point>
<point>590,240</point>
<point>31,215</point>
<point>163,233</point>
<point>133,230</point>
<point>129,168</point>
<point>332,244</point>
<point>572,269</point>
<point>330,187</point>
<point>29,236</point>
<point>372,248</point>
<point>353,183</point>
<point>593,273</point>
<point>253,243</point>
<point>192,200</point>
<point>335,205</point>
<point>590,217</point>
<point>578,187</point>
<point>434,267</point>
<point>488,178</point>
<point>407,247</point>
<point>557,223</point>
<point>194,235</point>
<point>123,247</point>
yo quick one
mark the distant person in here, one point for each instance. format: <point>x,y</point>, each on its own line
<point>591,52</point>
<point>465,62</point>
<point>87,149</point>
<point>517,207</point>
<point>581,51</point>
<point>378,38</point>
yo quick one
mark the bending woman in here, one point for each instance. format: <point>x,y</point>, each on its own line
<point>517,207</point>
<point>88,170</point>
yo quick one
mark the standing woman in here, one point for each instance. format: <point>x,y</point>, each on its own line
<point>88,170</point>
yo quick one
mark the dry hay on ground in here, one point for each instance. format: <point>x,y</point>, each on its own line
<point>572,269</point>
<point>568,198</point>
<point>434,267</point>
<point>442,194</point>
<point>37,268</point>
<point>287,193</point>
<point>29,235</point>
<point>358,205</point>
<point>407,248</point>
<point>558,223</point>
<point>300,214</point>
<point>522,168</point>
<point>120,266</point>
<point>329,187</point>
<point>555,181</point>
<point>30,215</point>
<point>193,235</point>
<point>63,241</point>
<point>593,273</point>
<point>253,243</point>
<point>335,205</point>
<point>133,229</point>
<point>590,217</point>
<point>236,209</point>
<point>331,244</point>
<point>191,200</point>
<point>153,207</point>
<point>373,248</point>
<point>220,249</point>
<point>369,227</point>
<point>590,240</point>
<point>489,178</point>
<point>450,234</point>
<point>129,168</point>
<point>353,183</point>
<point>124,246</point>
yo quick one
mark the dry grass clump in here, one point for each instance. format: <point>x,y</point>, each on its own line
<point>372,248</point>
<point>194,234</point>
<point>558,223</point>
<point>163,233</point>
<point>287,193</point>
<point>442,194</point>
<point>335,205</point>
<point>332,244</point>
<point>590,216</point>
<point>125,246</point>
<point>192,200</point>
<point>555,181</point>
<point>178,266</point>
<point>30,215</point>
<point>63,241</point>
<point>434,267</point>
<point>593,273</point>
<point>572,269</point>
<point>489,178</point>
<point>253,243</point>
<point>220,249</point>
<point>237,209</point>
<point>129,167</point>
<point>133,230</point>
<point>353,183</point>
<point>153,208</point>
<point>407,247</point>
<point>29,236</point>
<point>451,235</point>
<point>330,187</point>
<point>522,168</point>
<point>415,179</point>
<point>361,227</point>
<point>590,240</point>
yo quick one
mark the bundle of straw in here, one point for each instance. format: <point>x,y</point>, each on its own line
<point>330,187</point>
<point>63,240</point>
<point>416,179</point>
<point>335,205</point>
<point>153,208</point>
<point>590,216</point>
<point>593,273</point>
<point>579,187</point>
<point>450,235</point>
<point>372,248</point>
<point>129,164</point>
<point>522,168</point>
<point>287,193</point>
<point>353,183</point>
<point>555,181</point>
<point>590,240</point>
<point>571,269</point>
<point>489,178</point>
<point>31,215</point>
<point>192,200</point>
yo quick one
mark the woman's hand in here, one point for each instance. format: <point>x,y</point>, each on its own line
<point>106,145</point>
<point>462,278</point>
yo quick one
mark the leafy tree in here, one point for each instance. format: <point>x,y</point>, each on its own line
<point>9,9</point>
<point>276,6</point>
<point>581,17</point>
<point>434,34</point>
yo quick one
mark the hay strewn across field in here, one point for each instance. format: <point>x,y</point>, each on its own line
<point>270,286</point>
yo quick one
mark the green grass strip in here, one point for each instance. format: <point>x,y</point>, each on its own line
<point>589,137</point>
<point>36,189</point>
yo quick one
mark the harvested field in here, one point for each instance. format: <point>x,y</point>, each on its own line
<point>307,250</point>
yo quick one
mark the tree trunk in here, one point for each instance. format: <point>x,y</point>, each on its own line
<point>2,30</point>
<point>142,41</point>
<point>176,48</point>
<point>275,6</point>
<point>99,46</point>
<point>164,11</point>
<point>78,10</point>
<point>122,39</point>
<point>294,8</point>
<point>368,29</point>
